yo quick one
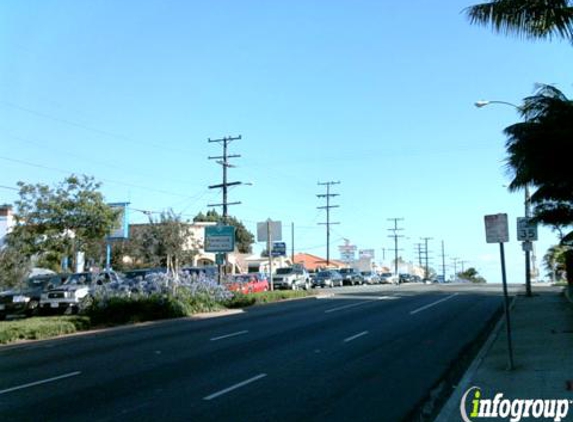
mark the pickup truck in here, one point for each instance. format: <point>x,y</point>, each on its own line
<point>292,278</point>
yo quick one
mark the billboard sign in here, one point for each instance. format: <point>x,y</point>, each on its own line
<point>121,228</point>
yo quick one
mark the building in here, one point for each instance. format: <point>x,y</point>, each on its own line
<point>315,263</point>
<point>7,221</point>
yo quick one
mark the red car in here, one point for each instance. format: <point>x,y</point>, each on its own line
<point>248,283</point>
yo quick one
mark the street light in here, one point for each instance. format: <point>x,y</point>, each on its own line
<point>527,244</point>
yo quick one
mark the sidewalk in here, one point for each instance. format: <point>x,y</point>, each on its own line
<point>542,334</point>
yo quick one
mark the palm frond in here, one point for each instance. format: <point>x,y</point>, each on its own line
<point>533,19</point>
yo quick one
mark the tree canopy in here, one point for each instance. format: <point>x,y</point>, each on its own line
<point>55,222</point>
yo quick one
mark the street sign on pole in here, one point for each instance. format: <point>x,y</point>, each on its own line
<point>496,228</point>
<point>219,238</point>
<point>496,231</point>
<point>526,229</point>
<point>274,228</point>
<point>278,249</point>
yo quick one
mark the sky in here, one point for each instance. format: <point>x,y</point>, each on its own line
<point>376,95</point>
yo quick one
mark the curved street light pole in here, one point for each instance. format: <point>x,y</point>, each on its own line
<point>527,245</point>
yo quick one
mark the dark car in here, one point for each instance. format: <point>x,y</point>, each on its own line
<point>25,301</point>
<point>327,278</point>
<point>351,276</point>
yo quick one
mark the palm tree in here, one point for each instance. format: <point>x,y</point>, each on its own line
<point>538,154</point>
<point>535,19</point>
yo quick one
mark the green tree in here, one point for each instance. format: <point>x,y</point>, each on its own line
<point>554,262</point>
<point>244,239</point>
<point>533,19</point>
<point>13,267</point>
<point>471,275</point>
<point>52,223</point>
<point>166,241</point>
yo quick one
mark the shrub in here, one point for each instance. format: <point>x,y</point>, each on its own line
<point>41,328</point>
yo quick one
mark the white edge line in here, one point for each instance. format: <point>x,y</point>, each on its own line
<point>349,306</point>
<point>238,333</point>
<point>354,337</point>
<point>423,308</point>
<point>234,387</point>
<point>32,384</point>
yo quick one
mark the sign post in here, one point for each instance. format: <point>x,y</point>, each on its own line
<point>496,231</point>
<point>219,239</point>
<point>269,230</point>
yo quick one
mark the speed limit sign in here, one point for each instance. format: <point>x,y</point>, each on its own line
<point>526,229</point>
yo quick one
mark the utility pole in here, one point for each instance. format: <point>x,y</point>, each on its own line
<point>419,250</point>
<point>427,268</point>
<point>328,223</point>
<point>395,235</point>
<point>292,242</point>
<point>455,268</point>
<point>223,160</point>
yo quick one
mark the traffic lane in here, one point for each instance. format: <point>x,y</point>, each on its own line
<point>168,368</point>
<point>382,375</point>
<point>167,355</point>
<point>44,359</point>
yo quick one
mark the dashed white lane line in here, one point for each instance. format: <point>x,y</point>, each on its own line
<point>354,337</point>
<point>423,308</point>
<point>352,305</point>
<point>238,333</point>
<point>44,381</point>
<point>234,387</point>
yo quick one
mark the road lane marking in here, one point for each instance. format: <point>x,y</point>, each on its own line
<point>352,305</point>
<point>354,337</point>
<point>33,384</point>
<point>234,387</point>
<point>423,308</point>
<point>238,333</point>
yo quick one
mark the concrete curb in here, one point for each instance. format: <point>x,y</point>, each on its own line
<point>452,404</point>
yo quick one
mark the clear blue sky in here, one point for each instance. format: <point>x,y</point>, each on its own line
<point>376,95</point>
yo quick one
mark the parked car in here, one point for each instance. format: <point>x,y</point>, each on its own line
<point>25,301</point>
<point>351,276</point>
<point>328,278</point>
<point>388,278</point>
<point>370,277</point>
<point>248,283</point>
<point>67,297</point>
<point>293,278</point>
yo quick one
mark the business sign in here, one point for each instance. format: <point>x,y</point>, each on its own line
<point>219,238</point>
<point>278,249</point>
<point>121,226</point>
<point>275,228</point>
<point>366,254</point>
<point>496,228</point>
<point>526,229</point>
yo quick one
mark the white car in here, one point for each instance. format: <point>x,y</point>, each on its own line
<point>67,297</point>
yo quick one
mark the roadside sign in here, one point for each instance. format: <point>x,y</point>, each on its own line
<point>275,228</point>
<point>219,238</point>
<point>526,229</point>
<point>496,228</point>
<point>278,249</point>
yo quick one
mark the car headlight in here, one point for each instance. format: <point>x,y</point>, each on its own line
<point>20,299</point>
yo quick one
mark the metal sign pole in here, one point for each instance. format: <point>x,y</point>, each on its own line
<point>269,245</point>
<point>506,308</point>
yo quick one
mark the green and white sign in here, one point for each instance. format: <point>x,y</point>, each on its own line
<point>219,238</point>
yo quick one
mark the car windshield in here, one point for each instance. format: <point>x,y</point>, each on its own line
<point>324,274</point>
<point>42,281</point>
<point>80,278</point>
<point>284,270</point>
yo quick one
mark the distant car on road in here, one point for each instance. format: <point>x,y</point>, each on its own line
<point>328,278</point>
<point>388,278</point>
<point>25,300</point>
<point>370,277</point>
<point>351,276</point>
<point>293,278</point>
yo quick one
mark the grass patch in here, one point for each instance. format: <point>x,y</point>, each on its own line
<point>41,328</point>
<point>241,300</point>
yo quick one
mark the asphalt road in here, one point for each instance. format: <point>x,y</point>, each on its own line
<point>368,353</point>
